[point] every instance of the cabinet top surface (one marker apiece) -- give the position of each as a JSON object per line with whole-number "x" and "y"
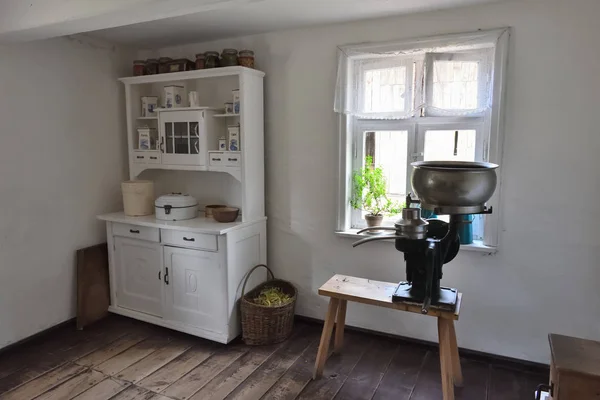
{"x": 200, "y": 224}
{"x": 575, "y": 355}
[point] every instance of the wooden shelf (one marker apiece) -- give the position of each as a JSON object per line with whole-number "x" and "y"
{"x": 148, "y": 118}
{"x": 225, "y": 115}
{"x": 186, "y": 109}
{"x": 187, "y": 75}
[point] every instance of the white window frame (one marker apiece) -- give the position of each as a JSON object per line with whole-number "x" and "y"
{"x": 492, "y": 122}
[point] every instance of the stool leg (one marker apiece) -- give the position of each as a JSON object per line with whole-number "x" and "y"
{"x": 456, "y": 369}
{"x": 325, "y": 338}
{"x": 340, "y": 323}
{"x": 445, "y": 359}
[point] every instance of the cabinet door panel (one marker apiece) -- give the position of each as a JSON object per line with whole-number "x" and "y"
{"x": 196, "y": 294}
{"x": 138, "y": 264}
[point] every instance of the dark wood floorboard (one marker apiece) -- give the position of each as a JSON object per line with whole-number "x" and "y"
{"x": 123, "y": 359}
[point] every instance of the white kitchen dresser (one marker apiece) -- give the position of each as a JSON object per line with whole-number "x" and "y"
{"x": 183, "y": 275}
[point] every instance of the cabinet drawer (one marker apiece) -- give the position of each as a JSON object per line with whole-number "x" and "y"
{"x": 136, "y": 231}
{"x": 145, "y": 157}
{"x": 188, "y": 239}
{"x": 224, "y": 159}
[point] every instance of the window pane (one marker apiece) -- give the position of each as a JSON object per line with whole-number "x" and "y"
{"x": 385, "y": 90}
{"x": 389, "y": 151}
{"x": 450, "y": 145}
{"x": 455, "y": 84}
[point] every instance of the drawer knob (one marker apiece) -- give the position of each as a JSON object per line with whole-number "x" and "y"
{"x": 189, "y": 239}
{"x": 134, "y": 231}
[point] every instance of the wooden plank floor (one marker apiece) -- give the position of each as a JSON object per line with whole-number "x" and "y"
{"x": 123, "y": 359}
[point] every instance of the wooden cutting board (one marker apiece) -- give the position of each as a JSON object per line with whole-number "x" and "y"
{"x": 93, "y": 291}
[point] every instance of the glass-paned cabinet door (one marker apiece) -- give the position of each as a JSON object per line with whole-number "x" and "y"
{"x": 181, "y": 133}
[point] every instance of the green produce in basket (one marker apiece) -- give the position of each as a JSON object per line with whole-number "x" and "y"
{"x": 272, "y": 297}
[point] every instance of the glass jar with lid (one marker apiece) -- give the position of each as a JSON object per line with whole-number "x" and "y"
{"x": 200, "y": 58}
{"x": 163, "y": 64}
{"x": 139, "y": 67}
{"x": 151, "y": 66}
{"x": 246, "y": 58}
{"x": 211, "y": 59}
{"x": 229, "y": 58}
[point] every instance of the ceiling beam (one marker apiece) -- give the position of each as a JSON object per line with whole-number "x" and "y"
{"x": 22, "y": 20}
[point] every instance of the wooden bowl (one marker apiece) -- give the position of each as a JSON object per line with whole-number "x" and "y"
{"x": 225, "y": 214}
{"x": 208, "y": 210}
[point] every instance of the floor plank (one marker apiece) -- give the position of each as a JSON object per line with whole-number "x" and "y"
{"x": 44, "y": 382}
{"x": 227, "y": 380}
{"x": 257, "y": 384}
{"x": 130, "y": 356}
{"x": 195, "y": 380}
{"x": 134, "y": 393}
{"x": 289, "y": 386}
{"x": 73, "y": 344}
{"x": 337, "y": 368}
{"x": 402, "y": 373}
{"x": 154, "y": 361}
{"x": 73, "y": 386}
{"x": 104, "y": 390}
{"x": 120, "y": 345}
{"x": 180, "y": 366}
{"x": 508, "y": 384}
{"x": 366, "y": 376}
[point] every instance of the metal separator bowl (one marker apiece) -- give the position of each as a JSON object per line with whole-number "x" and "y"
{"x": 454, "y": 187}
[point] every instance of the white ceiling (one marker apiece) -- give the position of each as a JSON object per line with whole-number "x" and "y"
{"x": 257, "y": 16}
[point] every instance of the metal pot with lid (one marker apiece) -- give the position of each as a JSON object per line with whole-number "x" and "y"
{"x": 176, "y": 207}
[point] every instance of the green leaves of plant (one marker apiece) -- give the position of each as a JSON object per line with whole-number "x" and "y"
{"x": 370, "y": 191}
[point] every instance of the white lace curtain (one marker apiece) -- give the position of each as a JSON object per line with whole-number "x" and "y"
{"x": 450, "y": 75}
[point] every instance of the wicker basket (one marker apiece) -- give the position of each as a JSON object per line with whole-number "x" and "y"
{"x": 262, "y": 324}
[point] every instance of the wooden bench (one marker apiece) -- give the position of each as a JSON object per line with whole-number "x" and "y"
{"x": 342, "y": 289}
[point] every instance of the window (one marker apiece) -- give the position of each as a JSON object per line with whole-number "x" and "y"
{"x": 428, "y": 99}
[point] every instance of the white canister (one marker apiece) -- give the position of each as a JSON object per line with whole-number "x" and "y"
{"x": 149, "y": 105}
{"x": 176, "y": 207}
{"x": 138, "y": 198}
{"x": 233, "y": 143}
{"x": 174, "y": 97}
{"x": 222, "y": 144}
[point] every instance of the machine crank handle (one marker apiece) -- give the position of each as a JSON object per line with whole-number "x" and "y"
{"x": 371, "y": 239}
{"x": 376, "y": 228}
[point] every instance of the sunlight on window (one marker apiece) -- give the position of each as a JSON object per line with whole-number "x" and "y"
{"x": 385, "y": 90}
{"x": 455, "y": 84}
{"x": 389, "y": 151}
{"x": 450, "y": 145}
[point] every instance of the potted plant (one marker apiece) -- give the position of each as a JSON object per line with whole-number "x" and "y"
{"x": 370, "y": 194}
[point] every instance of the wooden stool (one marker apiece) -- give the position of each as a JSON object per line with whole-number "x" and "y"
{"x": 342, "y": 288}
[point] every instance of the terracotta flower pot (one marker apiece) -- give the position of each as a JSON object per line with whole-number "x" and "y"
{"x": 373, "y": 220}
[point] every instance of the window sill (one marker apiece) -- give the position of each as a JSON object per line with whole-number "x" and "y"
{"x": 476, "y": 246}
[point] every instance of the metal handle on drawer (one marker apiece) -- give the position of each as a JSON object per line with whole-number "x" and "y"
{"x": 139, "y": 157}
{"x": 159, "y": 272}
{"x": 189, "y": 239}
{"x": 134, "y": 231}
{"x": 232, "y": 159}
{"x": 167, "y": 276}
{"x": 216, "y": 159}
{"x": 153, "y": 158}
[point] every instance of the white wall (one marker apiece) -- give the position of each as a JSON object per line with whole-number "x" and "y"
{"x": 545, "y": 277}
{"x": 62, "y": 158}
